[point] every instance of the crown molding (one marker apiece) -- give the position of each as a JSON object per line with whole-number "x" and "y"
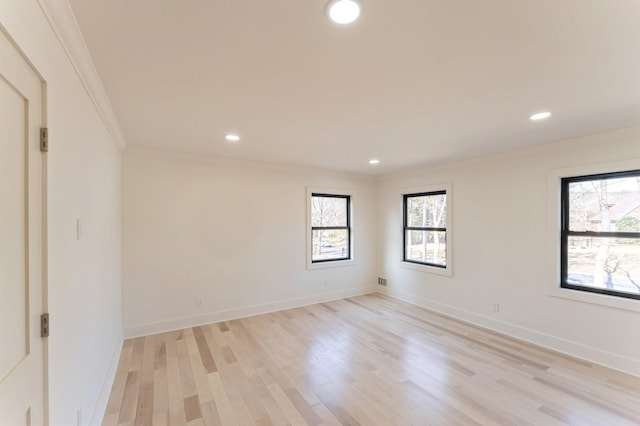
{"x": 64, "y": 25}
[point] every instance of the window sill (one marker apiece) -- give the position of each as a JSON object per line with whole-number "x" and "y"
{"x": 446, "y": 272}
{"x": 596, "y": 299}
{"x": 333, "y": 264}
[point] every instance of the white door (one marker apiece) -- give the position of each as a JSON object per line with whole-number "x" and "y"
{"x": 21, "y": 241}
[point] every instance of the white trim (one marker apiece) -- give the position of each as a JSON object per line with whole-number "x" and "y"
{"x": 553, "y": 225}
{"x": 336, "y": 263}
{"x": 448, "y": 270}
{"x": 330, "y": 264}
{"x": 248, "y": 311}
{"x": 100, "y": 406}
{"x": 428, "y": 269}
{"x": 64, "y": 25}
{"x": 567, "y": 347}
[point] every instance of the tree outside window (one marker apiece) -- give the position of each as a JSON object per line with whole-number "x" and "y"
{"x": 425, "y": 228}
{"x": 601, "y": 233}
{"x": 330, "y": 227}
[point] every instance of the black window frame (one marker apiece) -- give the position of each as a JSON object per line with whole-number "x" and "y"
{"x": 329, "y": 228}
{"x": 406, "y": 228}
{"x": 565, "y": 232}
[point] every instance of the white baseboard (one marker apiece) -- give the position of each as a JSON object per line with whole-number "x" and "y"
{"x": 567, "y": 347}
{"x": 105, "y": 390}
{"x": 227, "y": 315}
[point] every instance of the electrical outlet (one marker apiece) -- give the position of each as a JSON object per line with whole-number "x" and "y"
{"x": 382, "y": 281}
{"x": 325, "y": 282}
{"x": 199, "y": 301}
{"x": 495, "y": 307}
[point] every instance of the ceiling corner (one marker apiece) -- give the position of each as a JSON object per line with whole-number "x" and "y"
{"x": 64, "y": 25}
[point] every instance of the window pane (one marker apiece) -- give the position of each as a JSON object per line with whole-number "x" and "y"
{"x": 607, "y": 263}
{"x": 428, "y": 211}
{"x": 606, "y": 205}
{"x": 330, "y": 244}
{"x": 328, "y": 211}
{"x": 426, "y": 247}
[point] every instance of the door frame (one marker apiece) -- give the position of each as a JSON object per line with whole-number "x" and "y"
{"x": 44, "y": 221}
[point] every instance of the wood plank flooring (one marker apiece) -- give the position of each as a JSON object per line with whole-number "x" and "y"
{"x": 365, "y": 360}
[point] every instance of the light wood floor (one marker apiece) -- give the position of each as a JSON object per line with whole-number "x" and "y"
{"x": 365, "y": 360}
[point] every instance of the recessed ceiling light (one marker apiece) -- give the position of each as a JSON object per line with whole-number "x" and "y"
{"x": 231, "y": 137}
{"x": 540, "y": 116}
{"x": 374, "y": 161}
{"x": 343, "y": 11}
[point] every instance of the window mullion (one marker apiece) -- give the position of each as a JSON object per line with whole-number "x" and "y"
{"x": 603, "y": 234}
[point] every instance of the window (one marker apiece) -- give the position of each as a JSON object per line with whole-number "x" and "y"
{"x": 425, "y": 228}
{"x": 330, "y": 227}
{"x": 600, "y": 234}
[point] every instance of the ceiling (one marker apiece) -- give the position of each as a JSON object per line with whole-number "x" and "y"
{"x": 412, "y": 82}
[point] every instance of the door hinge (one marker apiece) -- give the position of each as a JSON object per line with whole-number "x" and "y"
{"x": 44, "y": 325}
{"x": 44, "y": 139}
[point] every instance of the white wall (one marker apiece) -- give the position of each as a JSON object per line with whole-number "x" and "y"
{"x": 231, "y": 232}
{"x": 83, "y": 182}
{"x": 234, "y": 233}
{"x": 504, "y": 249}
